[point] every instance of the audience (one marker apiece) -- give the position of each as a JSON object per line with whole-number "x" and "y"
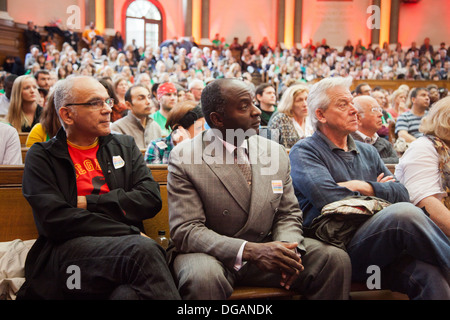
{"x": 281, "y": 81}
{"x": 91, "y": 215}
{"x": 291, "y": 123}
{"x": 195, "y": 88}
{"x": 167, "y": 96}
{"x": 24, "y": 111}
{"x": 334, "y": 176}
{"x": 266, "y": 101}
{"x": 369, "y": 123}
{"x": 10, "y": 148}
{"x": 185, "y": 121}
{"x": 425, "y": 167}
{"x": 5, "y": 98}
{"x": 43, "y": 79}
{"x": 48, "y": 125}
{"x": 222, "y": 217}
{"x": 407, "y": 125}
{"x": 398, "y": 103}
{"x": 138, "y": 122}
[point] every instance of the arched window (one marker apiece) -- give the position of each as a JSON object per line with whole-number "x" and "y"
{"x": 143, "y": 23}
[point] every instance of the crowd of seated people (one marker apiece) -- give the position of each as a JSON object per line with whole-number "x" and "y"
{"x": 119, "y": 67}
{"x": 156, "y": 98}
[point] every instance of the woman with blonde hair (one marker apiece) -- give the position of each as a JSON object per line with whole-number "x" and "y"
{"x": 398, "y": 103}
{"x": 24, "y": 111}
{"x": 291, "y": 122}
{"x": 424, "y": 169}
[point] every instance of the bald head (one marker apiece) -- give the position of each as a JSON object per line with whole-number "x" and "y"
{"x": 369, "y": 114}
{"x": 365, "y": 103}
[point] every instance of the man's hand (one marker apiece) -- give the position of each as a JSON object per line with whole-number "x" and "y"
{"x": 180, "y": 135}
{"x": 82, "y": 203}
{"x": 358, "y": 186}
{"x": 385, "y": 179}
{"x": 276, "y": 257}
{"x": 363, "y": 187}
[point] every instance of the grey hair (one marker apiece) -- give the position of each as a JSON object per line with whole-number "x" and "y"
{"x": 360, "y": 100}
{"x": 287, "y": 100}
{"x": 196, "y": 82}
{"x": 63, "y": 93}
{"x": 318, "y": 97}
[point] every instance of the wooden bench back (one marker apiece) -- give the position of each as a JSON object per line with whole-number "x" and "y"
{"x": 17, "y": 222}
{"x": 16, "y": 217}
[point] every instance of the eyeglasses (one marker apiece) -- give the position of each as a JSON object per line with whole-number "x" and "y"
{"x": 96, "y": 104}
{"x": 375, "y": 110}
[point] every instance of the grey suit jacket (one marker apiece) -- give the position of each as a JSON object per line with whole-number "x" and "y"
{"x": 211, "y": 208}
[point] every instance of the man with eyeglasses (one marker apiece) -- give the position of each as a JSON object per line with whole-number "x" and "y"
{"x": 370, "y": 121}
{"x": 196, "y": 87}
{"x": 349, "y": 199}
{"x": 138, "y": 122}
{"x": 90, "y": 191}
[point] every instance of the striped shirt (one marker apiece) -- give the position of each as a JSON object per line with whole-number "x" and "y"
{"x": 409, "y": 122}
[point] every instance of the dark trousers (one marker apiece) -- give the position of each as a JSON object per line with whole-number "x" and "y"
{"x": 124, "y": 268}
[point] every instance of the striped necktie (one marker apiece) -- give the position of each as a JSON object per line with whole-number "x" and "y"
{"x": 241, "y": 159}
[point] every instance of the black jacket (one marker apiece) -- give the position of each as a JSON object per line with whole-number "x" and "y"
{"x": 49, "y": 185}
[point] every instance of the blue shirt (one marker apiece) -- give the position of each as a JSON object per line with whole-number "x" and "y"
{"x": 410, "y": 122}
{"x": 317, "y": 165}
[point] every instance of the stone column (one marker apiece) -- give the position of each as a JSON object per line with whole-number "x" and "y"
{"x": 281, "y": 20}
{"x": 205, "y": 22}
{"x": 187, "y": 12}
{"x": 89, "y": 8}
{"x": 375, "y": 35}
{"x": 109, "y": 18}
{"x": 298, "y": 23}
{"x": 395, "y": 16}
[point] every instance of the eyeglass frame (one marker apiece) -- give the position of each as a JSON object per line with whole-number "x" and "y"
{"x": 374, "y": 109}
{"x": 94, "y": 103}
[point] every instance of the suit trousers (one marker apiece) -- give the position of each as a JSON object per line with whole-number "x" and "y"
{"x": 327, "y": 275}
{"x": 122, "y": 268}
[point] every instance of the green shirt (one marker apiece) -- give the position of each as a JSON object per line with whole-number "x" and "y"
{"x": 265, "y": 116}
{"x": 161, "y": 120}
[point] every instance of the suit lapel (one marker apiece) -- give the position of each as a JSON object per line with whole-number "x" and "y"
{"x": 221, "y": 164}
{"x": 261, "y": 184}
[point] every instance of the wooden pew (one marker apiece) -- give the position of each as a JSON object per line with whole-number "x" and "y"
{"x": 23, "y": 136}
{"x": 17, "y": 222}
{"x": 16, "y": 218}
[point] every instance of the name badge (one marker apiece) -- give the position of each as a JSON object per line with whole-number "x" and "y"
{"x": 161, "y": 145}
{"x": 118, "y": 162}
{"x": 277, "y": 186}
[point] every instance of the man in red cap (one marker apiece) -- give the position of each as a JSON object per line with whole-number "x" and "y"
{"x": 167, "y": 97}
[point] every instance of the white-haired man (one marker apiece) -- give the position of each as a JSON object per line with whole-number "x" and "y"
{"x": 370, "y": 121}
{"x": 196, "y": 87}
{"x": 332, "y": 172}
